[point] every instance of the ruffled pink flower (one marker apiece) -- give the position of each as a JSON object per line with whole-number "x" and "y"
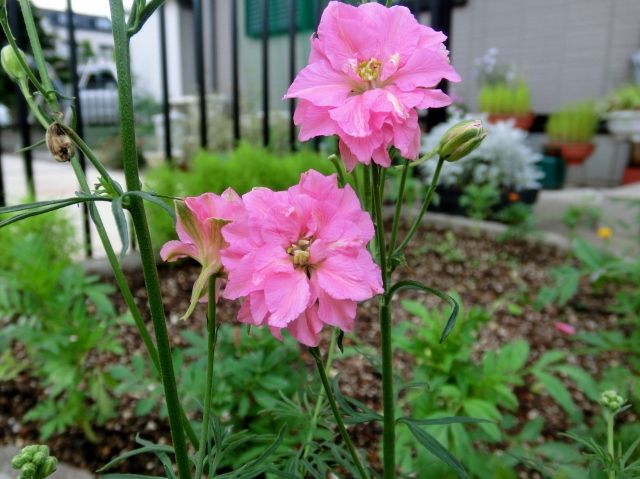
{"x": 199, "y": 223}
{"x": 564, "y": 328}
{"x": 299, "y": 258}
{"x": 369, "y": 69}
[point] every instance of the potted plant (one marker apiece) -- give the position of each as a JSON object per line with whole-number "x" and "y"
{"x": 571, "y": 130}
{"x": 623, "y": 117}
{"x": 507, "y": 101}
{"x": 503, "y": 160}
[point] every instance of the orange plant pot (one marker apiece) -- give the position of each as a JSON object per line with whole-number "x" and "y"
{"x": 523, "y": 122}
{"x": 576, "y": 153}
{"x": 631, "y": 175}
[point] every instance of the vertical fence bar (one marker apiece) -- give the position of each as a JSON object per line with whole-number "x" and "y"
{"x": 202, "y": 92}
{"x": 441, "y": 11}
{"x": 166, "y": 119}
{"x": 214, "y": 45}
{"x": 235, "y": 104}
{"x": 73, "y": 66}
{"x": 265, "y": 72}
{"x": 318, "y": 7}
{"x": 293, "y": 14}
{"x": 22, "y": 110}
{"x": 417, "y": 7}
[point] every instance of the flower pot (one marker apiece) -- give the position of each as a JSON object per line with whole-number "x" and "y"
{"x": 523, "y": 121}
{"x": 450, "y": 200}
{"x": 553, "y": 167}
{"x": 631, "y": 175}
{"x": 624, "y": 124}
{"x": 575, "y": 153}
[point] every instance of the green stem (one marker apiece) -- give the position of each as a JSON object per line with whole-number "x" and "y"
{"x": 36, "y": 48}
{"x": 367, "y": 188}
{"x": 610, "y": 441}
{"x": 398, "y": 210}
{"x": 320, "y": 400}
{"x": 40, "y": 116}
{"x": 211, "y": 349}
{"x": 138, "y": 215}
{"x": 336, "y": 414}
{"x": 339, "y": 169}
{"x": 389, "y": 423}
{"x": 423, "y": 208}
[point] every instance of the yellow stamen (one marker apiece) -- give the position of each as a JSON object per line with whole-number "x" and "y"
{"x": 300, "y": 252}
{"x": 369, "y": 70}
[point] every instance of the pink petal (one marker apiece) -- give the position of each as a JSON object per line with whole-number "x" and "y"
{"x": 425, "y": 68}
{"x": 346, "y": 277}
{"x": 287, "y": 296}
{"x": 313, "y": 121}
{"x": 306, "y": 328}
{"x": 340, "y": 313}
{"x": 434, "y": 98}
{"x": 320, "y": 84}
{"x": 173, "y": 250}
{"x": 565, "y": 328}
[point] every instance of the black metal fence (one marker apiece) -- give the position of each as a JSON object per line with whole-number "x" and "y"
{"x": 95, "y": 97}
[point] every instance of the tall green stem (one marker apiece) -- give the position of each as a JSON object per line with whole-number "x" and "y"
{"x": 423, "y": 208}
{"x": 138, "y": 215}
{"x": 388, "y": 398}
{"x": 336, "y": 414}
{"x": 398, "y": 210}
{"x": 610, "y": 441}
{"x": 211, "y": 349}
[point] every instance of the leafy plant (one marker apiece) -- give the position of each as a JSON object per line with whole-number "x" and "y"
{"x": 505, "y": 98}
{"x": 575, "y": 123}
{"x": 479, "y": 200}
{"x": 626, "y": 97}
{"x": 577, "y": 215}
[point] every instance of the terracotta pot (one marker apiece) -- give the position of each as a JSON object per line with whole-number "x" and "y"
{"x": 631, "y": 175}
{"x": 523, "y": 122}
{"x": 575, "y": 153}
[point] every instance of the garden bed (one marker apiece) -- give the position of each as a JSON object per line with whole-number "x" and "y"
{"x": 484, "y": 271}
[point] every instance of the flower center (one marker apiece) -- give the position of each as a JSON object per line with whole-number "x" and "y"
{"x": 369, "y": 70}
{"x": 300, "y": 252}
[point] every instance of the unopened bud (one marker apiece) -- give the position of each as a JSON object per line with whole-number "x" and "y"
{"x": 50, "y": 466}
{"x": 59, "y": 143}
{"x": 11, "y": 64}
{"x": 28, "y": 471}
{"x": 461, "y": 139}
{"x": 611, "y": 400}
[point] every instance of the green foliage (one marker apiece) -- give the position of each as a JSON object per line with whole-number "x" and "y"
{"x": 243, "y": 169}
{"x": 480, "y": 199}
{"x": 503, "y": 98}
{"x": 581, "y": 215}
{"x": 62, "y": 317}
{"x": 626, "y": 97}
{"x": 575, "y": 123}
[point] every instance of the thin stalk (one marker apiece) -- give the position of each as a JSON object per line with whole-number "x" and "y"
{"x": 138, "y": 215}
{"x": 36, "y": 48}
{"x": 389, "y": 423}
{"x": 4, "y": 23}
{"x": 211, "y": 349}
{"x": 336, "y": 414}
{"x": 610, "y": 441}
{"x": 40, "y": 116}
{"x": 339, "y": 170}
{"x": 398, "y": 209}
{"x": 320, "y": 400}
{"x": 367, "y": 188}
{"x": 423, "y": 208}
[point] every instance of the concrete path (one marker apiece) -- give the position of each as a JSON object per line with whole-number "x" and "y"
{"x": 63, "y": 471}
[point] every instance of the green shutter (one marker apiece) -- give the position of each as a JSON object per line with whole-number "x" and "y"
{"x": 278, "y": 17}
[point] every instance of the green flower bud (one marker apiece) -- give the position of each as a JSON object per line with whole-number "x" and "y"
{"x": 18, "y": 461}
{"x": 28, "y": 471}
{"x": 11, "y": 64}
{"x": 611, "y": 400}
{"x": 461, "y": 139}
{"x": 39, "y": 458}
{"x": 50, "y": 466}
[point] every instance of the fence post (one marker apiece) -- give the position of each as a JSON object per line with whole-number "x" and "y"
{"x": 441, "y": 11}
{"x": 214, "y": 46}
{"x": 199, "y": 51}
{"x": 293, "y": 14}
{"x": 168, "y": 154}
{"x": 73, "y": 66}
{"x": 3, "y": 200}
{"x": 22, "y": 110}
{"x": 265, "y": 72}
{"x": 235, "y": 106}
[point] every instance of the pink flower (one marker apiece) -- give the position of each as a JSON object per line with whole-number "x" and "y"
{"x": 299, "y": 258}
{"x": 565, "y": 328}
{"x": 370, "y": 67}
{"x": 199, "y": 221}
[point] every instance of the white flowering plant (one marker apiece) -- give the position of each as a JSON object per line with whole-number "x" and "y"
{"x": 502, "y": 159}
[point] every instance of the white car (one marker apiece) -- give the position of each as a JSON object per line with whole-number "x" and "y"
{"x": 98, "y": 94}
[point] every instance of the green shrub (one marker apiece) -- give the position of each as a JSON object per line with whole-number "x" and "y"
{"x": 505, "y": 99}
{"x": 575, "y": 123}
{"x": 242, "y": 170}
{"x": 624, "y": 98}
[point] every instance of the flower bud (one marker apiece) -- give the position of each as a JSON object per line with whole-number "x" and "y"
{"x": 461, "y": 139}
{"x": 59, "y": 143}
{"x": 611, "y": 400}
{"x": 49, "y": 466}
{"x": 28, "y": 471}
{"x": 11, "y": 65}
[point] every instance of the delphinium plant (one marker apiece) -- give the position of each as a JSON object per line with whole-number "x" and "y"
{"x": 299, "y": 260}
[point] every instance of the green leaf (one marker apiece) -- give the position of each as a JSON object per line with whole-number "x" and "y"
{"x": 437, "y": 449}
{"x": 415, "y": 285}
{"x": 142, "y": 450}
{"x": 440, "y": 421}
{"x": 479, "y": 408}
{"x": 152, "y": 198}
{"x": 122, "y": 225}
{"x": 558, "y": 392}
{"x": 582, "y": 378}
